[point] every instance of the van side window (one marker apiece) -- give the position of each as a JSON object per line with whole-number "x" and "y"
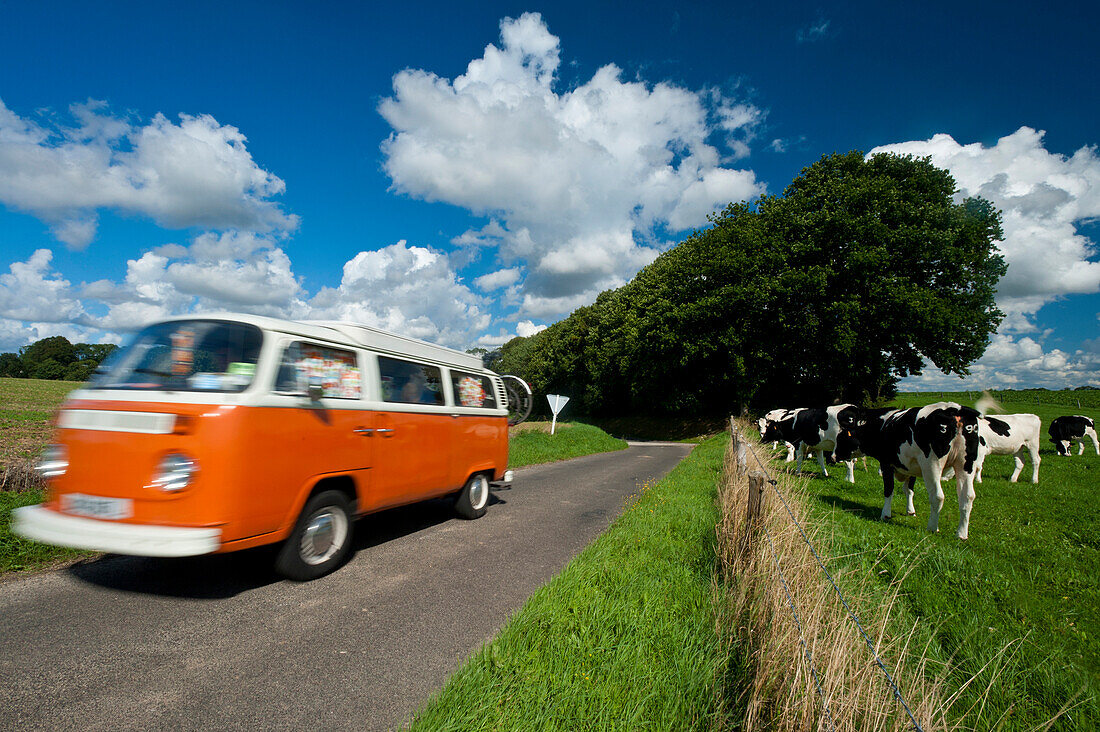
{"x": 337, "y": 370}
{"x": 406, "y": 382}
{"x": 471, "y": 390}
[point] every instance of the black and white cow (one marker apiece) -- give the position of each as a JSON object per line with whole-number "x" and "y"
{"x": 1064, "y": 431}
{"x": 813, "y": 430}
{"x": 774, "y": 416}
{"x": 1009, "y": 434}
{"x": 921, "y": 442}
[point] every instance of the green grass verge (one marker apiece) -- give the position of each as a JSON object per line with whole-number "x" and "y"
{"x": 570, "y": 440}
{"x": 624, "y": 638}
{"x": 1018, "y": 604}
{"x": 17, "y": 553}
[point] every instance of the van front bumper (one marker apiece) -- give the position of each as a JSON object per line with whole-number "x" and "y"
{"x": 50, "y": 527}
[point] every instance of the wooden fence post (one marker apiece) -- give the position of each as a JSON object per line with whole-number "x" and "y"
{"x": 753, "y": 512}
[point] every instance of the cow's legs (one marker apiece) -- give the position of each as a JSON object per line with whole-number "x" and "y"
{"x": 935, "y": 494}
{"x": 910, "y": 509}
{"x": 1081, "y": 446}
{"x": 1015, "y": 473}
{"x": 790, "y": 452}
{"x": 1091, "y": 434}
{"x": 1035, "y": 460}
{"x": 800, "y": 450}
{"x": 1019, "y": 467}
{"x": 851, "y": 471}
{"x": 887, "y": 492}
{"x": 821, "y": 462}
{"x": 965, "y": 489}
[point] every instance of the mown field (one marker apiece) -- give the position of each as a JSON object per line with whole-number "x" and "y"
{"x": 1014, "y": 612}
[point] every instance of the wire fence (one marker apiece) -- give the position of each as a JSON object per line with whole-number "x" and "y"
{"x": 742, "y": 443}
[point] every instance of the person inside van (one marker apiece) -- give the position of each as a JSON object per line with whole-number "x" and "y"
{"x": 416, "y": 389}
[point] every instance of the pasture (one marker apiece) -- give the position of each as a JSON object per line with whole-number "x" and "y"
{"x": 1013, "y": 613}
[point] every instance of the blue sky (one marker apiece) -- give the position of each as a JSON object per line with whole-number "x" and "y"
{"x": 467, "y": 172}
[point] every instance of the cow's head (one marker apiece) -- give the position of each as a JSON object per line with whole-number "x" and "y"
{"x": 847, "y": 444}
{"x": 771, "y": 432}
{"x": 944, "y": 425}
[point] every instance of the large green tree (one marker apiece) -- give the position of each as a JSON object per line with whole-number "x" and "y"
{"x": 845, "y": 283}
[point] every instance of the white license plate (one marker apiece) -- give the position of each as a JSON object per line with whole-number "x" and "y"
{"x": 97, "y": 506}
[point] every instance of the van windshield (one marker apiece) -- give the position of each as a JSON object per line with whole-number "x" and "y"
{"x": 185, "y": 355}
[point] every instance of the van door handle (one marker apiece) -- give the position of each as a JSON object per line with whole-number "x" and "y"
{"x": 363, "y": 431}
{"x": 385, "y": 432}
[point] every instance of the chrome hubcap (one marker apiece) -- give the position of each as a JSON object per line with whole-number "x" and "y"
{"x": 324, "y": 535}
{"x": 479, "y": 492}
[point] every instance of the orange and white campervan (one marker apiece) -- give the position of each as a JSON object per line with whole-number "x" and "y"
{"x": 217, "y": 433}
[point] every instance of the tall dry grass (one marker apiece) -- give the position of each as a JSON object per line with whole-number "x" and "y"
{"x": 771, "y": 685}
{"x": 20, "y": 476}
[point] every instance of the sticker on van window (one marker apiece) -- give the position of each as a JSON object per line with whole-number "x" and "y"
{"x": 470, "y": 392}
{"x": 183, "y": 351}
{"x": 336, "y": 370}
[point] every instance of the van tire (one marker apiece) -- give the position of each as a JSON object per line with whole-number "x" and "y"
{"x": 473, "y": 498}
{"x": 320, "y": 540}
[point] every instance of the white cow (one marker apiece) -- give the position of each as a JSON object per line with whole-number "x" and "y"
{"x": 1009, "y": 434}
{"x": 774, "y": 416}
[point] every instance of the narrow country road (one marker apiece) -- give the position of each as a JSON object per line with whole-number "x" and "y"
{"x": 220, "y": 642}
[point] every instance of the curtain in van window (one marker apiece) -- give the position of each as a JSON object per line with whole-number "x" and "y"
{"x": 337, "y": 370}
{"x": 472, "y": 390}
{"x": 406, "y": 382}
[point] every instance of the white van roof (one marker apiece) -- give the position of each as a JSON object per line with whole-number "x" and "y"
{"x": 365, "y": 336}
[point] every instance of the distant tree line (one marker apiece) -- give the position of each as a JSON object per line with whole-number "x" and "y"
{"x": 834, "y": 290}
{"x": 55, "y": 358}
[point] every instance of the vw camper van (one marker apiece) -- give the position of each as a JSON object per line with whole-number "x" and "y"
{"x": 223, "y": 432}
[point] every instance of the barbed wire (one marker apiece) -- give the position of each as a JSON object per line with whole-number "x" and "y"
{"x": 870, "y": 646}
{"x": 801, "y": 635}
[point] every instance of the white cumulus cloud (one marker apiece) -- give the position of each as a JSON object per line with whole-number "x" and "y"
{"x": 1044, "y": 197}
{"x": 1018, "y": 362}
{"x": 194, "y": 173}
{"x": 406, "y": 289}
{"x": 575, "y": 180}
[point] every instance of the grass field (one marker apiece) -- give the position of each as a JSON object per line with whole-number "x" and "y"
{"x": 623, "y": 639}
{"x": 1017, "y": 607}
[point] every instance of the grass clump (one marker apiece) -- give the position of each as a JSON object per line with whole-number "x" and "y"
{"x": 531, "y": 442}
{"x": 623, "y": 639}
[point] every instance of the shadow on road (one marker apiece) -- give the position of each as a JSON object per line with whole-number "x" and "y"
{"x": 219, "y": 576}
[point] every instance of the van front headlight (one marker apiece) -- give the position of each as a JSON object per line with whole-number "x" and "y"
{"x": 54, "y": 461}
{"x": 175, "y": 472}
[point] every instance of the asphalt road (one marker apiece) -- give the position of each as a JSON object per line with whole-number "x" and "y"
{"x": 220, "y": 642}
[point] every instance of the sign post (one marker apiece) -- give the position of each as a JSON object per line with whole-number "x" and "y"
{"x": 556, "y": 403}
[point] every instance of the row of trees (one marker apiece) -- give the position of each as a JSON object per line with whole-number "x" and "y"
{"x": 55, "y": 358}
{"x": 833, "y": 290}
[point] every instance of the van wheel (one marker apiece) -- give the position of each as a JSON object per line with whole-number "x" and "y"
{"x": 473, "y": 498}
{"x": 321, "y": 539}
